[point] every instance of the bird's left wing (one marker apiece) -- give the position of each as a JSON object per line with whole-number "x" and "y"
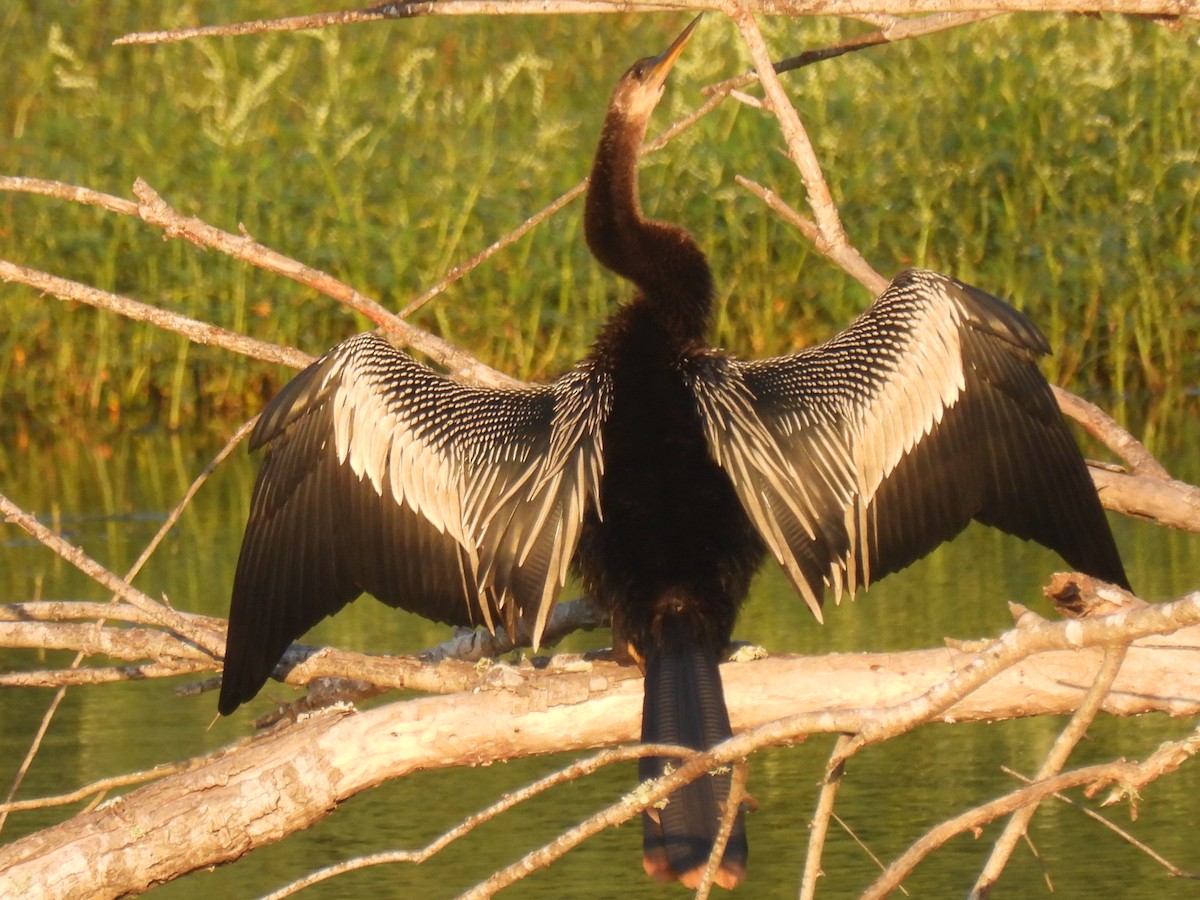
{"x": 858, "y": 456}
{"x": 461, "y": 503}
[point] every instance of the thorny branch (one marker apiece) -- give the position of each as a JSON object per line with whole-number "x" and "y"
{"x": 192, "y": 643}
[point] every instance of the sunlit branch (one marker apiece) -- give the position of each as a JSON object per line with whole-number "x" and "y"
{"x": 96, "y": 788}
{"x": 154, "y": 210}
{"x": 717, "y": 94}
{"x": 1132, "y": 776}
{"x": 193, "y": 329}
{"x": 1017, "y": 644}
{"x": 862, "y": 9}
{"x": 578, "y": 769}
{"x": 160, "y": 614}
{"x": 819, "y": 827}
{"x": 1060, "y": 752}
{"x": 1172, "y": 869}
{"x": 831, "y": 239}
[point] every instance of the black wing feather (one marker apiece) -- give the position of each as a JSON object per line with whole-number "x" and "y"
{"x": 856, "y": 457}
{"x": 382, "y": 476}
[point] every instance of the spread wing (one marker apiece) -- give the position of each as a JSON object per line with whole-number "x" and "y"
{"x": 461, "y": 503}
{"x": 856, "y": 457}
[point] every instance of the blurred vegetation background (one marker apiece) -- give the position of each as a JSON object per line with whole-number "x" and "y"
{"x": 1051, "y": 160}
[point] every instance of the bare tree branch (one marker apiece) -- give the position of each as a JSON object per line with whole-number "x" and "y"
{"x": 1028, "y": 638}
{"x": 193, "y": 329}
{"x": 578, "y": 769}
{"x": 155, "y": 211}
{"x": 831, "y": 239}
{"x": 1059, "y": 753}
{"x": 865, "y": 9}
{"x": 1165, "y": 759}
{"x": 1171, "y": 868}
{"x": 1175, "y": 504}
{"x": 1107, "y": 430}
{"x": 179, "y": 623}
{"x": 95, "y": 789}
{"x": 819, "y": 827}
{"x": 250, "y": 794}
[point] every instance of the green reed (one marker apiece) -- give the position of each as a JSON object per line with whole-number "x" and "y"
{"x": 1052, "y": 161}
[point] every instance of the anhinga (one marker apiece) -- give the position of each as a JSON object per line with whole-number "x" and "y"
{"x": 662, "y": 470}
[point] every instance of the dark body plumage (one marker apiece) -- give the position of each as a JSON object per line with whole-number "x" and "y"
{"x": 662, "y": 469}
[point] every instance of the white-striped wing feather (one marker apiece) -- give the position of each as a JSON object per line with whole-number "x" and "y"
{"x": 463, "y": 504}
{"x": 858, "y": 456}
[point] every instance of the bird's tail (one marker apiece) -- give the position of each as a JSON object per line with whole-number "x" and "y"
{"x": 685, "y": 705}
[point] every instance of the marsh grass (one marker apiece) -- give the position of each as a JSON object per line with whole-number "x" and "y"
{"x": 1053, "y": 161}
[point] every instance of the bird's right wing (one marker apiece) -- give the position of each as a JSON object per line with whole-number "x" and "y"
{"x": 461, "y": 503}
{"x": 858, "y": 456}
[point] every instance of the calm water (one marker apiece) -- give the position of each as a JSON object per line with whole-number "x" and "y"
{"x": 112, "y": 499}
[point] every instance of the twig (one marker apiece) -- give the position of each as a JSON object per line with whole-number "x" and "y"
{"x": 863, "y": 846}
{"x": 154, "y": 210}
{"x": 1132, "y": 776}
{"x": 193, "y": 329}
{"x": 30, "y": 755}
{"x": 579, "y": 769}
{"x": 1064, "y": 744}
{"x": 72, "y": 610}
{"x": 729, "y": 814}
{"x": 71, "y": 192}
{"x": 458, "y": 271}
{"x": 1173, "y": 870}
{"x": 96, "y": 787}
{"x": 94, "y": 638}
{"x": 819, "y": 826}
{"x": 73, "y": 675}
{"x": 806, "y": 226}
{"x": 161, "y": 614}
{"x": 1001, "y": 654}
{"x": 77, "y": 677}
{"x": 717, "y": 94}
{"x": 645, "y": 796}
{"x": 388, "y": 11}
{"x": 1174, "y": 504}
{"x": 1110, "y": 433}
{"x": 892, "y": 30}
{"x": 832, "y": 240}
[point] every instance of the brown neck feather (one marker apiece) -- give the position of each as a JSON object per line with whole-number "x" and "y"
{"x": 662, "y": 259}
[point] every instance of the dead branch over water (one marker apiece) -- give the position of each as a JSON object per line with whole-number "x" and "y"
{"x": 295, "y": 774}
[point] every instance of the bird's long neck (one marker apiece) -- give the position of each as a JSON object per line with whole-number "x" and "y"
{"x": 663, "y": 260}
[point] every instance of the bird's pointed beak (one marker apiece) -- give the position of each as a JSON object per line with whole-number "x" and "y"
{"x": 664, "y": 62}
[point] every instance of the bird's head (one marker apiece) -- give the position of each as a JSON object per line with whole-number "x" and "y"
{"x": 641, "y": 87}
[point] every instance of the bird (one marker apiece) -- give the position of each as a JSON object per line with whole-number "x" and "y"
{"x": 659, "y": 469}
